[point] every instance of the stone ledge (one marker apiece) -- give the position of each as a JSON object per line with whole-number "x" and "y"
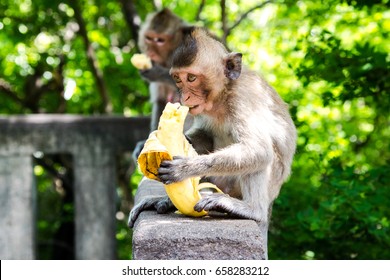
{"x": 175, "y": 236}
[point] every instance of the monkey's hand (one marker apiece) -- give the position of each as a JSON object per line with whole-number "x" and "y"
{"x": 172, "y": 171}
{"x": 157, "y": 74}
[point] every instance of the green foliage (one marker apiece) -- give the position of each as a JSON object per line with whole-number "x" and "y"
{"x": 336, "y": 204}
{"x": 347, "y": 217}
{"x": 329, "y": 60}
{"x": 39, "y": 43}
{"x": 358, "y": 72}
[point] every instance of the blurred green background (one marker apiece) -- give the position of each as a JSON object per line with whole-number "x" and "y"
{"x": 329, "y": 60}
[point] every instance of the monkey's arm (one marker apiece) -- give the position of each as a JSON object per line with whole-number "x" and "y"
{"x": 236, "y": 159}
{"x": 200, "y": 140}
{"x": 251, "y": 163}
{"x": 157, "y": 74}
{"x": 157, "y": 109}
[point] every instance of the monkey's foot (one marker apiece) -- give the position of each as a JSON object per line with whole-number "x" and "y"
{"x": 162, "y": 204}
{"x": 226, "y": 204}
{"x": 216, "y": 202}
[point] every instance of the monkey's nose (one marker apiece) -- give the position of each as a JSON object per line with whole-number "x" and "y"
{"x": 184, "y": 98}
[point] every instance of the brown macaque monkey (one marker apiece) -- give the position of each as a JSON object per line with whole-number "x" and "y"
{"x": 241, "y": 125}
{"x": 159, "y": 36}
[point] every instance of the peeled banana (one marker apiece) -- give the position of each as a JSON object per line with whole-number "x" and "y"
{"x": 164, "y": 143}
{"x": 141, "y": 61}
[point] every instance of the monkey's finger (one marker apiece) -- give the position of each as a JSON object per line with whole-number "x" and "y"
{"x": 177, "y": 157}
{"x": 164, "y": 206}
{"x": 166, "y": 182}
{"x": 212, "y": 202}
{"x": 165, "y": 165}
{"x": 167, "y": 179}
{"x": 166, "y": 176}
{"x": 166, "y": 168}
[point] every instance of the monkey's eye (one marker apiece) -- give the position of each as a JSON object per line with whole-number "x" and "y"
{"x": 176, "y": 78}
{"x": 159, "y": 41}
{"x": 191, "y": 78}
{"x": 148, "y": 39}
{"x": 155, "y": 40}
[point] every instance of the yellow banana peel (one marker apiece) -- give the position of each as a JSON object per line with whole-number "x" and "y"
{"x": 164, "y": 143}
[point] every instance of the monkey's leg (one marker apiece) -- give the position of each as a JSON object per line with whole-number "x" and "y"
{"x": 224, "y": 203}
{"x": 162, "y": 204}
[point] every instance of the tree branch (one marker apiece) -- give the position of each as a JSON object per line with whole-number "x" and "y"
{"x": 225, "y": 29}
{"x": 92, "y": 60}
{"x": 59, "y": 77}
{"x": 244, "y": 15}
{"x": 228, "y": 30}
{"x": 6, "y": 88}
{"x": 200, "y": 9}
{"x": 132, "y": 18}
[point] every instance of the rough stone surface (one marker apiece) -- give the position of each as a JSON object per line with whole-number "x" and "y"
{"x": 175, "y": 236}
{"x": 94, "y": 143}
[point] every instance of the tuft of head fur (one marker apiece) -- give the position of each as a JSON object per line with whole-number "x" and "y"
{"x": 164, "y": 21}
{"x": 198, "y": 46}
{"x": 185, "y": 54}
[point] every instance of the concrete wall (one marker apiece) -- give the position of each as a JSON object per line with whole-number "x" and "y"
{"x": 177, "y": 237}
{"x": 94, "y": 143}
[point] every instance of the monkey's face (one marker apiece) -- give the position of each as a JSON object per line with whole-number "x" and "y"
{"x": 202, "y": 68}
{"x": 193, "y": 89}
{"x": 158, "y": 46}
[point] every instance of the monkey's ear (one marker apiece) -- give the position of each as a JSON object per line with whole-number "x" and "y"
{"x": 233, "y": 65}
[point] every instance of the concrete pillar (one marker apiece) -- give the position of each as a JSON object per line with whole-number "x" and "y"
{"x": 17, "y": 208}
{"x": 95, "y": 199}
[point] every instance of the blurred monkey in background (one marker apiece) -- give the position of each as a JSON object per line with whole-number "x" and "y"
{"x": 159, "y": 36}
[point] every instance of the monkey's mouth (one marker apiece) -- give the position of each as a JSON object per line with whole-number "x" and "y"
{"x": 192, "y": 107}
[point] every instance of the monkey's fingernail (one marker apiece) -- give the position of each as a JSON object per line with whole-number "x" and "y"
{"x": 197, "y": 208}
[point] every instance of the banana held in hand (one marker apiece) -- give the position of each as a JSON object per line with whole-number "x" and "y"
{"x": 141, "y": 61}
{"x": 163, "y": 144}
